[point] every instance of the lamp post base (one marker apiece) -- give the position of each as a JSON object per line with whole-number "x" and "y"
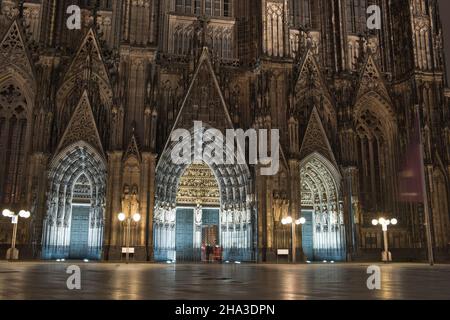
{"x": 386, "y": 256}
{"x": 12, "y": 254}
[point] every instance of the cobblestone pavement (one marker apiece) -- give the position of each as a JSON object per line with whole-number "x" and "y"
{"x": 47, "y": 280}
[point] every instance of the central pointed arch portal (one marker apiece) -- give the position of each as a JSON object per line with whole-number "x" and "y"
{"x": 202, "y": 203}
{"x": 323, "y": 235}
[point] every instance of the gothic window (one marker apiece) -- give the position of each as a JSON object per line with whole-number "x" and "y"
{"x": 300, "y": 11}
{"x": 13, "y": 130}
{"x": 226, "y": 8}
{"x": 179, "y": 6}
{"x": 198, "y": 6}
{"x": 188, "y": 6}
{"x": 215, "y": 8}
{"x": 274, "y": 35}
{"x": 421, "y": 7}
{"x": 103, "y": 4}
{"x": 376, "y": 157}
{"x": 356, "y": 15}
{"x": 217, "y": 5}
{"x": 208, "y": 7}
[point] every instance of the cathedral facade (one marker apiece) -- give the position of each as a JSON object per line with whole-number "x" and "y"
{"x": 87, "y": 116}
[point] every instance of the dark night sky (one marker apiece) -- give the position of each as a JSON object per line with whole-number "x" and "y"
{"x": 444, "y": 6}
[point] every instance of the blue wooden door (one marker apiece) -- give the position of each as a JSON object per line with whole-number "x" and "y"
{"x": 79, "y": 233}
{"x": 184, "y": 236}
{"x": 307, "y": 235}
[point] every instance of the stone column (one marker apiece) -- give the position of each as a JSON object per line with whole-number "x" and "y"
{"x": 260, "y": 187}
{"x": 113, "y": 206}
{"x": 149, "y": 163}
{"x": 295, "y": 204}
{"x": 36, "y": 199}
{"x": 351, "y": 211}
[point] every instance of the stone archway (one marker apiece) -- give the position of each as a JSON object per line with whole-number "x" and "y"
{"x": 77, "y": 183}
{"x": 236, "y": 219}
{"x": 376, "y": 149}
{"x": 15, "y": 132}
{"x": 324, "y": 231}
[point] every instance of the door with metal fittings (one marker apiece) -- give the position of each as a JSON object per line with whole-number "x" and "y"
{"x": 307, "y": 235}
{"x": 79, "y": 232}
{"x": 184, "y": 237}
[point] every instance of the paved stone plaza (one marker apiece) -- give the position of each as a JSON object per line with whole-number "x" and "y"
{"x": 47, "y": 280}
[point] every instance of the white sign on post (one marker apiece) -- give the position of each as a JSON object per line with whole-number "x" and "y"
{"x": 283, "y": 252}
{"x": 130, "y": 250}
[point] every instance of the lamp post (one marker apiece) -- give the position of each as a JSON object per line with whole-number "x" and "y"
{"x": 13, "y": 253}
{"x": 128, "y": 220}
{"x": 289, "y": 220}
{"x": 385, "y": 255}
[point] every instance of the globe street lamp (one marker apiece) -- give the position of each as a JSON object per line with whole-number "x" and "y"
{"x": 13, "y": 253}
{"x": 128, "y": 220}
{"x": 289, "y": 220}
{"x": 385, "y": 255}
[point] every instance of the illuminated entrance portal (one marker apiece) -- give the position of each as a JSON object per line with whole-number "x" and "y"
{"x": 73, "y": 226}
{"x": 197, "y": 216}
{"x": 323, "y": 235}
{"x": 196, "y": 222}
{"x": 198, "y": 207}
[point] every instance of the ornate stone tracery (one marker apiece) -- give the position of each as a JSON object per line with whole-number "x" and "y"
{"x": 320, "y": 193}
{"x": 77, "y": 176}
{"x": 198, "y": 186}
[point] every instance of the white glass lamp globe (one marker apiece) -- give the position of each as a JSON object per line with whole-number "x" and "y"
{"x": 394, "y": 221}
{"x": 375, "y": 222}
{"x": 24, "y": 214}
{"x": 137, "y": 217}
{"x": 121, "y": 216}
{"x": 6, "y": 213}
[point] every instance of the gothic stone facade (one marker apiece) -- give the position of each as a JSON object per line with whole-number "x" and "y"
{"x": 86, "y": 117}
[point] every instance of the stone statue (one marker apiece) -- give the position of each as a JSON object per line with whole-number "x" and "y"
{"x": 134, "y": 201}
{"x": 126, "y": 199}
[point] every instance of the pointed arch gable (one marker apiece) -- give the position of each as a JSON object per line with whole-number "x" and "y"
{"x": 308, "y": 65}
{"x": 88, "y": 49}
{"x": 204, "y": 68}
{"x": 133, "y": 149}
{"x": 316, "y": 140}
{"x": 82, "y": 127}
{"x": 311, "y": 91}
{"x": 372, "y": 83}
{"x": 14, "y": 56}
